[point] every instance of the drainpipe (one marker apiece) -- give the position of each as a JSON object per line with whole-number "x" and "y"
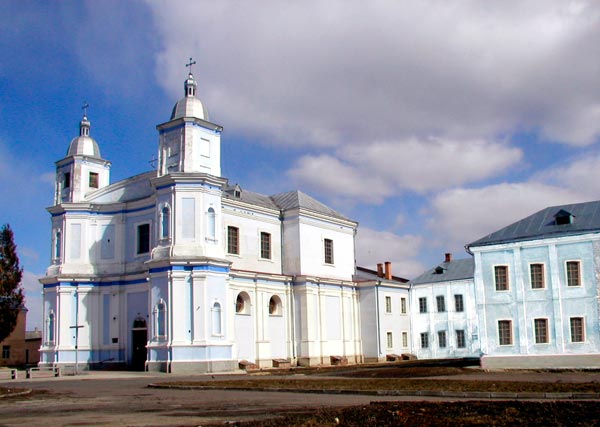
{"x": 378, "y": 313}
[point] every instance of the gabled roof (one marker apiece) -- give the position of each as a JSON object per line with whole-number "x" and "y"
{"x": 543, "y": 224}
{"x": 459, "y": 269}
{"x": 363, "y": 273}
{"x": 299, "y": 200}
{"x": 249, "y": 197}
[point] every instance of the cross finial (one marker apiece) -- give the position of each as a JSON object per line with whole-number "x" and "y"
{"x": 84, "y": 107}
{"x": 189, "y": 64}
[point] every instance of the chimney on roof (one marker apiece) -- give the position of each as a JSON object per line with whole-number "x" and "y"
{"x": 380, "y": 270}
{"x": 448, "y": 257}
{"x": 388, "y": 270}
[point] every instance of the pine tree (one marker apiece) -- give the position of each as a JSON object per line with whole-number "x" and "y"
{"x": 11, "y": 292}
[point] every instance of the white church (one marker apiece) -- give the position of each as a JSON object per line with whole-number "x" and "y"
{"x": 177, "y": 270}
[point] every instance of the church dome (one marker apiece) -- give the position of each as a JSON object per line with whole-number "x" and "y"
{"x": 190, "y": 106}
{"x": 84, "y": 144}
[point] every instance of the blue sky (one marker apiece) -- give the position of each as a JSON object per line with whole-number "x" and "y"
{"x": 431, "y": 123}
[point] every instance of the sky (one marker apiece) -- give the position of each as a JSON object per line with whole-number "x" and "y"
{"x": 431, "y": 123}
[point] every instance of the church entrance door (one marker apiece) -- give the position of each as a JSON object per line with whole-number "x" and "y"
{"x": 139, "y": 339}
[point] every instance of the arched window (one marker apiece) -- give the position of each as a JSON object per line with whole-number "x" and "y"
{"x": 161, "y": 319}
{"x": 211, "y": 223}
{"x": 50, "y": 328}
{"x": 216, "y": 319}
{"x": 275, "y": 306}
{"x": 165, "y": 222}
{"x": 242, "y": 303}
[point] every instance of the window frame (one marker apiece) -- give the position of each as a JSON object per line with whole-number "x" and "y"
{"x": 459, "y": 308}
{"x": 568, "y": 276}
{"x": 500, "y": 332}
{"x": 424, "y": 338}
{"x": 461, "y": 341}
{"x": 233, "y": 240}
{"x": 506, "y": 286}
{"x": 265, "y": 246}
{"x": 572, "y": 332}
{"x": 404, "y": 339}
{"x": 328, "y": 254}
{"x": 541, "y": 335}
{"x": 422, "y": 304}
{"x": 389, "y": 339}
{"x": 442, "y": 339}
{"x": 388, "y": 304}
{"x": 94, "y": 178}
{"x": 275, "y": 306}
{"x": 138, "y": 241}
{"x": 440, "y": 303}
{"x": 403, "y": 307}
{"x": 542, "y": 273}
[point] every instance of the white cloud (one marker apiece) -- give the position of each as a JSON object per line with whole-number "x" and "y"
{"x": 373, "y": 247}
{"x": 344, "y": 72}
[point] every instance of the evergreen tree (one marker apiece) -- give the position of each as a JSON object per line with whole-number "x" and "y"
{"x": 11, "y": 292}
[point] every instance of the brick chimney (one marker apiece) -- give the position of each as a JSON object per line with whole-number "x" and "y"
{"x": 448, "y": 257}
{"x": 380, "y": 270}
{"x": 388, "y": 270}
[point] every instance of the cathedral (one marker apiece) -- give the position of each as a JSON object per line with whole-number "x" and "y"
{"x": 177, "y": 270}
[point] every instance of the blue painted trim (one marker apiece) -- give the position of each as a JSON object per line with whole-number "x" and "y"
{"x": 187, "y": 185}
{"x": 182, "y": 125}
{"x": 213, "y": 268}
{"x": 123, "y": 211}
{"x": 96, "y": 284}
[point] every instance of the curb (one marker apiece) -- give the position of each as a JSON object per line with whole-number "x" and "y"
{"x": 423, "y": 393}
{"x": 17, "y": 393}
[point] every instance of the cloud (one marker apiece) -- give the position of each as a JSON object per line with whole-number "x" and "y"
{"x": 373, "y": 247}
{"x": 349, "y": 72}
{"x": 372, "y": 172}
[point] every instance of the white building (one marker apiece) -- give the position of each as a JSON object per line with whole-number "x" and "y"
{"x": 175, "y": 269}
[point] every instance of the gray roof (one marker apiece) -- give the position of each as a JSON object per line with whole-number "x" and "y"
{"x": 249, "y": 197}
{"x": 299, "y": 200}
{"x": 543, "y": 224}
{"x": 459, "y": 269}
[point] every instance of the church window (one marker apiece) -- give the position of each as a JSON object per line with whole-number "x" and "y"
{"x": 275, "y": 306}
{"x": 50, "y": 328}
{"x": 161, "y": 319}
{"x": 242, "y": 303}
{"x": 57, "y": 244}
{"x": 442, "y": 339}
{"x": 424, "y": 340}
{"x": 404, "y": 339}
{"x": 388, "y": 304}
{"x": 459, "y": 305}
{"x": 233, "y": 235}
{"x": 441, "y": 303}
{"x": 143, "y": 238}
{"x": 165, "y": 222}
{"x": 540, "y": 327}
{"x": 577, "y": 329}
{"x": 403, "y": 305}
{"x": 390, "y": 340}
{"x": 328, "y": 249}
{"x": 265, "y": 245}
{"x": 211, "y": 223}
{"x": 505, "y": 332}
{"x": 216, "y": 319}
{"x": 93, "y": 180}
{"x": 67, "y": 180}
{"x": 460, "y": 338}
{"x": 422, "y": 305}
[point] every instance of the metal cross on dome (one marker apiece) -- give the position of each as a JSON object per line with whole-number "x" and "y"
{"x": 189, "y": 64}
{"x": 84, "y": 107}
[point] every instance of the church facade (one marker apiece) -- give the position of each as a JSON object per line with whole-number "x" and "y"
{"x": 177, "y": 270}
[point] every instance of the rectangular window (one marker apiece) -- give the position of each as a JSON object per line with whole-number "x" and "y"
{"x": 424, "y": 340}
{"x": 423, "y": 305}
{"x": 6, "y": 352}
{"x": 328, "y": 247}
{"x": 93, "y": 181}
{"x": 441, "y": 303}
{"x": 265, "y": 245}
{"x": 390, "y": 340}
{"x": 537, "y": 276}
{"x": 577, "y": 329}
{"x": 403, "y": 305}
{"x": 143, "y": 238}
{"x": 460, "y": 338}
{"x": 573, "y": 273}
{"x": 501, "y": 277}
{"x": 541, "y": 330}
{"x": 442, "y": 339}
{"x": 505, "y": 332}
{"x": 233, "y": 237}
{"x": 459, "y": 303}
{"x": 388, "y": 304}
{"x": 67, "y": 182}
{"x": 404, "y": 339}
